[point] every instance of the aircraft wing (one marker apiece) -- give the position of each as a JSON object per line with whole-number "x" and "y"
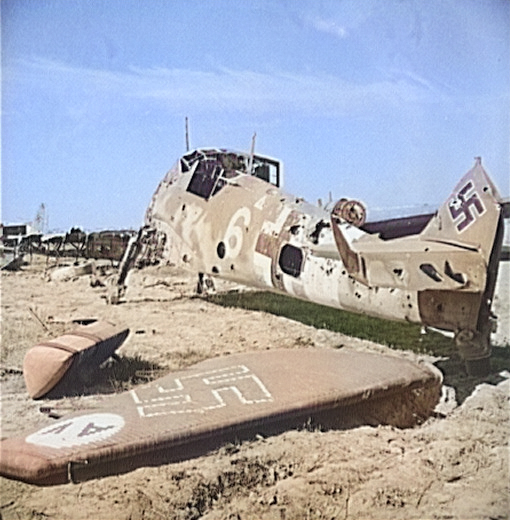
{"x": 191, "y": 412}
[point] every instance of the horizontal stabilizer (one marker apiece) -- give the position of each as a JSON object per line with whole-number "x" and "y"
{"x": 411, "y": 263}
{"x": 453, "y": 252}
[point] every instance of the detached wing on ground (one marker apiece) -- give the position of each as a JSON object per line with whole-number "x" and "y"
{"x": 222, "y": 400}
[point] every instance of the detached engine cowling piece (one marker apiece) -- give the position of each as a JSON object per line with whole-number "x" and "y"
{"x": 82, "y": 349}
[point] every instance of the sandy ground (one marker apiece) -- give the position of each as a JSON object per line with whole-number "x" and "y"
{"x": 456, "y": 465}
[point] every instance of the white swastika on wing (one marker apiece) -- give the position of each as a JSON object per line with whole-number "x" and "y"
{"x": 200, "y": 393}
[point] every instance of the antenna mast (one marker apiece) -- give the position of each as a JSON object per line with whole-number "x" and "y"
{"x": 187, "y": 135}
{"x": 252, "y": 152}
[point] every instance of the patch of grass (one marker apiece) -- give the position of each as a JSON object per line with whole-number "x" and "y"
{"x": 398, "y": 335}
{"x": 117, "y": 374}
{"x": 403, "y": 336}
{"x": 185, "y": 358}
{"x": 124, "y": 372}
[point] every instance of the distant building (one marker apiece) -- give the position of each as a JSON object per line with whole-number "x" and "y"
{"x": 13, "y": 230}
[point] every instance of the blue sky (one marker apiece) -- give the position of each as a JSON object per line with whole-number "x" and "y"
{"x": 384, "y": 101}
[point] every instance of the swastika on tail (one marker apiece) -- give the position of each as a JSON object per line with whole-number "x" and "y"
{"x": 465, "y": 207}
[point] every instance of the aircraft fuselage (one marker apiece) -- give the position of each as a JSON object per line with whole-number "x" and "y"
{"x": 223, "y": 214}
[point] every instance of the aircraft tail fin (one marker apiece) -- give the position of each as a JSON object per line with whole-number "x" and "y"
{"x": 471, "y": 214}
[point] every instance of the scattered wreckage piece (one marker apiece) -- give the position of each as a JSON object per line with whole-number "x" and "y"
{"x": 107, "y": 245}
{"x": 191, "y": 412}
{"x": 221, "y": 213}
{"x": 52, "y": 245}
{"x": 69, "y": 272}
{"x": 77, "y": 239}
{"x": 76, "y": 354}
{"x": 143, "y": 249}
{"x": 10, "y": 260}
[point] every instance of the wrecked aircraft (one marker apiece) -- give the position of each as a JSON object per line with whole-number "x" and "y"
{"x": 223, "y": 214}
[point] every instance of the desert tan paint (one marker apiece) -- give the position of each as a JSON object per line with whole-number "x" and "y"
{"x": 246, "y": 229}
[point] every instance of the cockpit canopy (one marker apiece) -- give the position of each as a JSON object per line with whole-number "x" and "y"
{"x": 214, "y": 168}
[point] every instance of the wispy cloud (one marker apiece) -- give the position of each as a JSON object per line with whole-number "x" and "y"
{"x": 328, "y": 26}
{"x": 220, "y": 89}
